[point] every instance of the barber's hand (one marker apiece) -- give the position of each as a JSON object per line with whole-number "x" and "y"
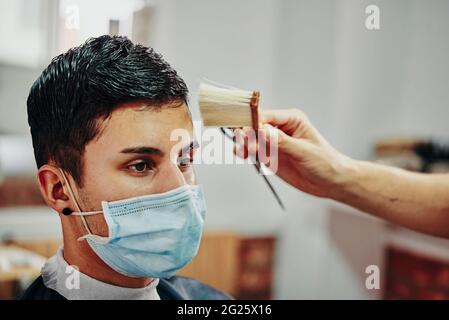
{"x": 305, "y": 159}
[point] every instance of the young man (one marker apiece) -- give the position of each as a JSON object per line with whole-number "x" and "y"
{"x": 101, "y": 116}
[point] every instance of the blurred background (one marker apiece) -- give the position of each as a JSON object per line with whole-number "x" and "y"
{"x": 379, "y": 95}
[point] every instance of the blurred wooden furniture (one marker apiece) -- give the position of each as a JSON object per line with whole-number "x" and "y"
{"x": 255, "y": 268}
{"x": 10, "y": 279}
{"x": 46, "y": 248}
{"x": 20, "y": 191}
{"x": 415, "y": 276}
{"x": 216, "y": 262}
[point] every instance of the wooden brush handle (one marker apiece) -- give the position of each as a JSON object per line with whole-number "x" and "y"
{"x": 254, "y": 104}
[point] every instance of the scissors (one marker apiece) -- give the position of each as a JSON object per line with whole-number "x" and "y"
{"x": 257, "y": 165}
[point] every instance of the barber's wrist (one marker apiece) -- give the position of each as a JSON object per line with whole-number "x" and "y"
{"x": 347, "y": 175}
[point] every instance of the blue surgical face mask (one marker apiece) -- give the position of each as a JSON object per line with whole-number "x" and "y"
{"x": 149, "y": 236}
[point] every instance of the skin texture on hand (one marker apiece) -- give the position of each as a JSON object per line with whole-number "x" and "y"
{"x": 306, "y": 161}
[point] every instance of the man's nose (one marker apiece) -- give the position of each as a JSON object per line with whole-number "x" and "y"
{"x": 171, "y": 178}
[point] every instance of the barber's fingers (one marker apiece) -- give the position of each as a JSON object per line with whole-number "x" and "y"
{"x": 279, "y": 141}
{"x": 245, "y": 142}
{"x": 287, "y": 120}
{"x": 241, "y": 143}
{"x": 270, "y": 141}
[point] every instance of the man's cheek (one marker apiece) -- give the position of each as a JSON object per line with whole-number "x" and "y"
{"x": 97, "y": 225}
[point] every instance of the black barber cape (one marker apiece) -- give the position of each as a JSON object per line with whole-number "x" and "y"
{"x": 174, "y": 288}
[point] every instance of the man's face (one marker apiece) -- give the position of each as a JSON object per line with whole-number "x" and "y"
{"x": 133, "y": 156}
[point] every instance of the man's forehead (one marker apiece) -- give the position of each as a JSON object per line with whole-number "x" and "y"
{"x": 138, "y": 123}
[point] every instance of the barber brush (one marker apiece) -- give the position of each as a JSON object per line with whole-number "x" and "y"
{"x": 227, "y": 107}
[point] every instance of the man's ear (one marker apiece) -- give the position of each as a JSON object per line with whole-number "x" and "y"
{"x": 51, "y": 184}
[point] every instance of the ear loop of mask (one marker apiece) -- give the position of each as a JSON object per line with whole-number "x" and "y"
{"x": 82, "y": 214}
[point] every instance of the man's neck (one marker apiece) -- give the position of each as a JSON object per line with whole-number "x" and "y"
{"x": 81, "y": 255}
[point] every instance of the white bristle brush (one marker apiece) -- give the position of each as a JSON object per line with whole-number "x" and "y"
{"x": 228, "y": 107}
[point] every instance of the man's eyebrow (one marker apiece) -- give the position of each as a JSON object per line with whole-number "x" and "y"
{"x": 193, "y": 145}
{"x": 144, "y": 150}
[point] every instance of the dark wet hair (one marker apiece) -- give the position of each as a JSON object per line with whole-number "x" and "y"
{"x": 86, "y": 84}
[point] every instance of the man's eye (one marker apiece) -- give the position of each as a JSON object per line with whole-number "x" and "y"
{"x": 185, "y": 163}
{"x": 140, "y": 167}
